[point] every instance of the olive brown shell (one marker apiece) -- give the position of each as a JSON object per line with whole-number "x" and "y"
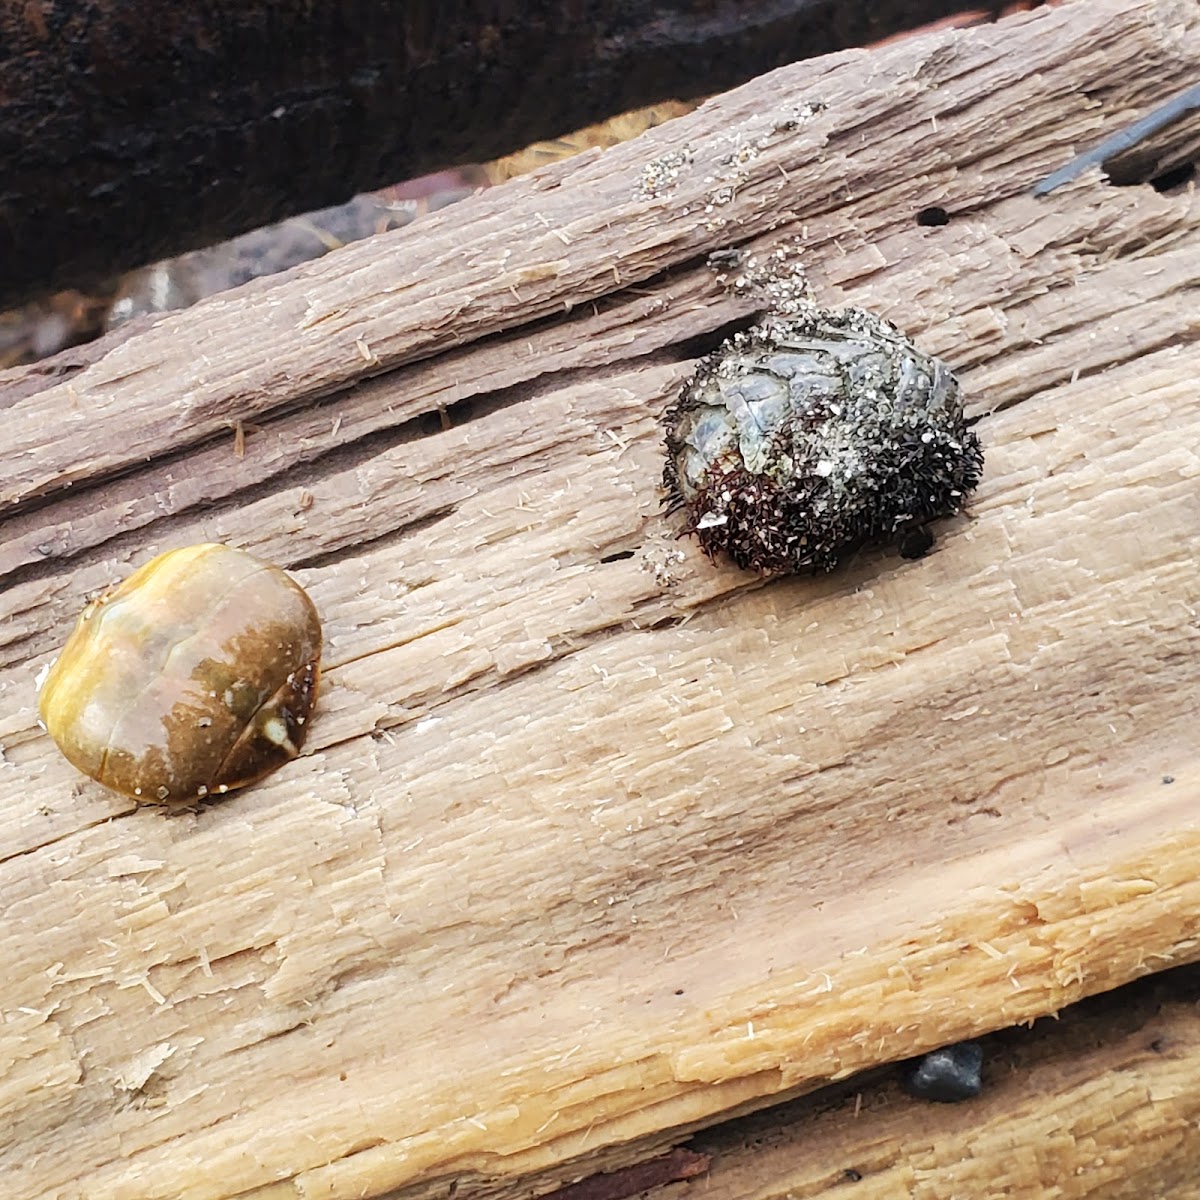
{"x": 195, "y": 675}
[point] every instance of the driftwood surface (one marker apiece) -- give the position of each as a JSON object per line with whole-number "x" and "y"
{"x": 598, "y": 841}
{"x": 206, "y": 120}
{"x": 1099, "y": 1101}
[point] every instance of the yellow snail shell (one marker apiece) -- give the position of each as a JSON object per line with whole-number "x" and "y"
{"x": 195, "y": 675}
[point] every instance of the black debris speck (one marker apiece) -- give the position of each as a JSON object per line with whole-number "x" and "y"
{"x": 933, "y": 216}
{"x": 916, "y": 543}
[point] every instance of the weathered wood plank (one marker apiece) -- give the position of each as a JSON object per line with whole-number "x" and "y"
{"x": 537, "y": 248}
{"x": 1102, "y": 1103}
{"x": 214, "y": 119}
{"x": 598, "y": 840}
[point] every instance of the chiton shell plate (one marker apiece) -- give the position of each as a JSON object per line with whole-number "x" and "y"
{"x": 810, "y": 435}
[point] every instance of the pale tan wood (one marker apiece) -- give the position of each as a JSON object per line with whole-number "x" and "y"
{"x": 1102, "y": 1103}
{"x": 598, "y": 841}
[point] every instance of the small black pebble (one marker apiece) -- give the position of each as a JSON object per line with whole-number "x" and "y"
{"x": 1168, "y": 779}
{"x": 947, "y": 1075}
{"x": 726, "y": 259}
{"x": 851, "y": 1175}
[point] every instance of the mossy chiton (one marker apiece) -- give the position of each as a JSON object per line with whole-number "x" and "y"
{"x": 813, "y": 434}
